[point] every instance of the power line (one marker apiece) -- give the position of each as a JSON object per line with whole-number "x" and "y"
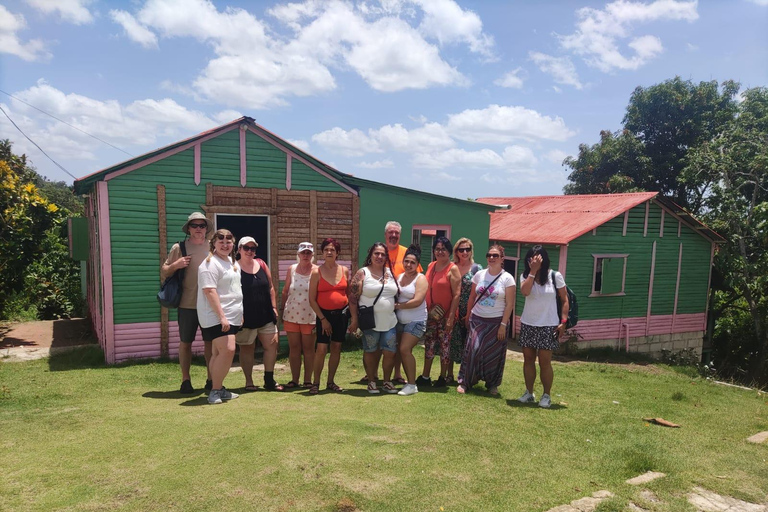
{"x": 38, "y": 147}
{"x": 62, "y": 121}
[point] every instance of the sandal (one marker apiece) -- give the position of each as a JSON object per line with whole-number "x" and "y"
{"x": 251, "y": 387}
{"x": 399, "y": 380}
{"x": 493, "y": 390}
{"x": 307, "y": 384}
{"x": 314, "y": 389}
{"x": 274, "y": 386}
{"x": 291, "y": 385}
{"x": 332, "y": 386}
{"x": 449, "y": 379}
{"x": 460, "y": 389}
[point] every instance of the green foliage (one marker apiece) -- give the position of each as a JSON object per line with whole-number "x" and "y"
{"x": 35, "y": 270}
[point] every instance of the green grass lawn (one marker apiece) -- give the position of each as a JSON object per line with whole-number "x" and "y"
{"x": 77, "y": 435}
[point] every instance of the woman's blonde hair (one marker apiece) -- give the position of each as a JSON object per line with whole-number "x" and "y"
{"x": 212, "y": 246}
{"x": 464, "y": 240}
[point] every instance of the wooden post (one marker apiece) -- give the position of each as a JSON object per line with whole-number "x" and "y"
{"x": 163, "y": 242}
{"x": 274, "y": 247}
{"x": 313, "y": 217}
{"x": 355, "y": 233}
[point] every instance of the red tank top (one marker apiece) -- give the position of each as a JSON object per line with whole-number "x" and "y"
{"x": 439, "y": 286}
{"x": 331, "y": 297}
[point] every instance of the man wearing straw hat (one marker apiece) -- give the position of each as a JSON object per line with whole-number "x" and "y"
{"x": 198, "y": 229}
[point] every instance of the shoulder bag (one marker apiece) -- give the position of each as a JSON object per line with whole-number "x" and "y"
{"x": 365, "y": 318}
{"x": 169, "y": 295}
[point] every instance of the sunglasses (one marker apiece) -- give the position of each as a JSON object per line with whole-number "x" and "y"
{"x": 248, "y": 248}
{"x": 222, "y": 237}
{"x": 464, "y": 249}
{"x": 440, "y": 249}
{"x": 198, "y": 226}
{"x": 492, "y": 255}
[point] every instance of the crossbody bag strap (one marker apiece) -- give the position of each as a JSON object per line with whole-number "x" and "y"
{"x": 477, "y": 299}
{"x": 183, "y": 249}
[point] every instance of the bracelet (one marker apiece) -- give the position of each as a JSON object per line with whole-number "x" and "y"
{"x": 322, "y": 319}
{"x": 502, "y": 323}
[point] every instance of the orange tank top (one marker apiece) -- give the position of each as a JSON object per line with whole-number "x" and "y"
{"x": 439, "y": 286}
{"x": 331, "y": 297}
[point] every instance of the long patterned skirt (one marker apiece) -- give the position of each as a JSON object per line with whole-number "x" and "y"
{"x": 484, "y": 355}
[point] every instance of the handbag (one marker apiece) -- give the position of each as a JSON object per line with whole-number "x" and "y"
{"x": 365, "y": 318}
{"x": 169, "y": 295}
{"x": 436, "y": 312}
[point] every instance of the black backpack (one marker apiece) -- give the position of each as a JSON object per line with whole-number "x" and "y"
{"x": 573, "y": 312}
{"x": 169, "y": 295}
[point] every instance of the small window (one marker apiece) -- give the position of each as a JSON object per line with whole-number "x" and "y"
{"x": 609, "y": 275}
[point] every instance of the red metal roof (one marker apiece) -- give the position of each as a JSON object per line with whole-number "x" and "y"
{"x": 556, "y": 219}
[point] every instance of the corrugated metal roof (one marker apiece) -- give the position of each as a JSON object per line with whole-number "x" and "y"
{"x": 556, "y": 219}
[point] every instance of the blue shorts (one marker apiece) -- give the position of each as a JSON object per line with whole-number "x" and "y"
{"x": 415, "y": 329}
{"x": 377, "y": 340}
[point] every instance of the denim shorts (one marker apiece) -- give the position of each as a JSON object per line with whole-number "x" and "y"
{"x": 416, "y": 329}
{"x": 377, "y": 340}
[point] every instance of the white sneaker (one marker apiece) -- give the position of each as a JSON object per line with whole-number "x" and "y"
{"x": 527, "y": 397}
{"x": 545, "y": 401}
{"x": 408, "y": 389}
{"x": 226, "y": 394}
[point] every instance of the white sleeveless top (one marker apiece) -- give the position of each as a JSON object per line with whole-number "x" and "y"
{"x": 297, "y": 308}
{"x": 384, "y": 310}
{"x": 417, "y": 314}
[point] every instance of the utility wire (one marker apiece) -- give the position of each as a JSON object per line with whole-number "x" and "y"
{"x": 38, "y": 147}
{"x": 62, "y": 121}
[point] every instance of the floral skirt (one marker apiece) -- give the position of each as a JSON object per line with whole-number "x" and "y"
{"x": 542, "y": 338}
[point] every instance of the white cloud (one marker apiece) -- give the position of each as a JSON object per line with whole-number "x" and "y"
{"x": 760, "y": 2}
{"x": 502, "y": 124}
{"x": 133, "y": 29}
{"x": 556, "y": 156}
{"x": 458, "y": 158}
{"x": 444, "y": 176}
{"x": 519, "y": 157}
{"x": 378, "y": 164}
{"x": 139, "y": 125}
{"x": 72, "y": 11}
{"x": 446, "y": 21}
{"x": 348, "y": 143}
{"x": 300, "y": 143}
{"x": 599, "y": 32}
{"x": 256, "y": 66}
{"x": 512, "y": 80}
{"x": 561, "y": 68}
{"x": 430, "y": 137}
{"x": 10, "y": 43}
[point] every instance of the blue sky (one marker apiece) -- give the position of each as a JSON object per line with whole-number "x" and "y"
{"x": 465, "y": 99}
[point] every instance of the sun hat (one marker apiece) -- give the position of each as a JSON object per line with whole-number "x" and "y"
{"x": 197, "y": 216}
{"x": 246, "y": 240}
{"x": 305, "y": 246}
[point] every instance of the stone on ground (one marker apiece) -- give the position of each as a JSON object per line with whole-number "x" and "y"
{"x": 586, "y": 504}
{"x": 708, "y": 501}
{"x": 645, "y": 478}
{"x": 758, "y": 438}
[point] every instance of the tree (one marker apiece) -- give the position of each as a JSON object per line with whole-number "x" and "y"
{"x": 661, "y": 124}
{"x": 731, "y": 170}
{"x": 30, "y": 226}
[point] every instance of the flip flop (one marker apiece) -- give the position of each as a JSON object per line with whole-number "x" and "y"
{"x": 399, "y": 380}
{"x": 291, "y": 385}
{"x": 252, "y": 387}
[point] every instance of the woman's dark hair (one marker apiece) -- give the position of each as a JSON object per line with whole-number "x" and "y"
{"x": 369, "y": 259}
{"x": 331, "y": 241}
{"x": 543, "y": 274}
{"x": 415, "y": 250}
{"x": 446, "y": 243}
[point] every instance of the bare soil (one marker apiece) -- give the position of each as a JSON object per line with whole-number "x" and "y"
{"x": 47, "y": 334}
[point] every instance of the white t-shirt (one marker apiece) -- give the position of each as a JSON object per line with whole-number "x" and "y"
{"x": 220, "y": 274}
{"x": 541, "y": 305}
{"x": 493, "y": 301}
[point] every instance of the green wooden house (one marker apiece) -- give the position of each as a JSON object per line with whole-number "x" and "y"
{"x": 638, "y": 264}
{"x": 252, "y": 182}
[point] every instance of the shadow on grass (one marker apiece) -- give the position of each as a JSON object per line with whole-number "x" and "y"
{"x": 605, "y": 355}
{"x": 513, "y": 402}
{"x": 172, "y": 395}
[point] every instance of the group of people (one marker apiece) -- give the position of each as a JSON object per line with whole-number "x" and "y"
{"x": 460, "y": 310}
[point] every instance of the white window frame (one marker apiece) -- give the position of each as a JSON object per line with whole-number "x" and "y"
{"x": 596, "y": 257}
